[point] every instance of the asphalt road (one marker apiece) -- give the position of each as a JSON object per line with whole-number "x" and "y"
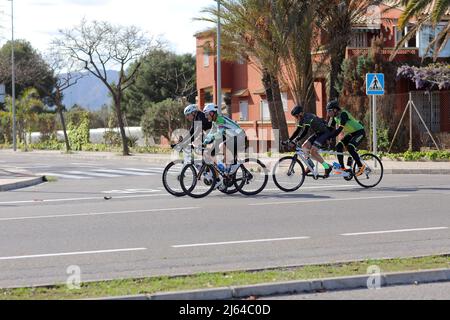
{"x": 142, "y": 231}
{"x": 432, "y": 291}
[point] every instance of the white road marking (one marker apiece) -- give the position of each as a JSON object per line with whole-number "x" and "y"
{"x": 326, "y": 200}
{"x": 92, "y": 214}
{"x": 123, "y": 172}
{"x": 150, "y": 170}
{"x": 64, "y": 176}
{"x": 392, "y": 231}
{"x": 70, "y": 254}
{"x": 83, "y": 199}
{"x": 320, "y": 187}
{"x": 131, "y": 191}
{"x": 93, "y": 174}
{"x": 238, "y": 242}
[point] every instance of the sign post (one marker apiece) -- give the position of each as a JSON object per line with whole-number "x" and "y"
{"x": 374, "y": 88}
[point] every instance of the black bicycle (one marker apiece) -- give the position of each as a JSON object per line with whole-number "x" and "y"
{"x": 250, "y": 178}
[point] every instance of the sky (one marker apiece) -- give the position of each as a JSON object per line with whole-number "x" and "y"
{"x": 38, "y": 21}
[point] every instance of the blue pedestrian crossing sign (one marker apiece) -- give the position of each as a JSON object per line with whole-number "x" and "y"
{"x": 375, "y": 84}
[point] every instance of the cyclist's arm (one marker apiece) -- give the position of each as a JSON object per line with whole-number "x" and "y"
{"x": 303, "y": 133}
{"x": 295, "y": 134}
{"x": 344, "y": 120}
{"x": 213, "y": 134}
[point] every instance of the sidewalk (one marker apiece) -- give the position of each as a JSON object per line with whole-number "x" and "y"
{"x": 13, "y": 178}
{"x": 390, "y": 166}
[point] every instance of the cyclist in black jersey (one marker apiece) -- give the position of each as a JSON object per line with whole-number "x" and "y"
{"x": 199, "y": 122}
{"x": 308, "y": 122}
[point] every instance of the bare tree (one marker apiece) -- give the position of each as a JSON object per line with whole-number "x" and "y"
{"x": 66, "y": 75}
{"x": 101, "y": 46}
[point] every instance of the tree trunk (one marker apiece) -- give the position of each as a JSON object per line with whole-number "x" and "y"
{"x": 267, "y": 81}
{"x": 278, "y": 118}
{"x": 278, "y": 104}
{"x": 63, "y": 123}
{"x": 308, "y": 94}
{"x": 117, "y": 103}
{"x": 336, "y": 63}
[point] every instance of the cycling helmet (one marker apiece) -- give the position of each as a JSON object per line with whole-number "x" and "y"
{"x": 210, "y": 108}
{"x": 297, "y": 110}
{"x": 190, "y": 109}
{"x": 333, "y": 105}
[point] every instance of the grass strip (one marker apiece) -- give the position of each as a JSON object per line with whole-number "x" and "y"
{"x": 216, "y": 280}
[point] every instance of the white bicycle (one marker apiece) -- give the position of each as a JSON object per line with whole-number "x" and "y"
{"x": 289, "y": 173}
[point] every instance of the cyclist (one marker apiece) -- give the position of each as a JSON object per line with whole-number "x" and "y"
{"x": 310, "y": 122}
{"x": 343, "y": 121}
{"x": 198, "y": 119}
{"x": 224, "y": 129}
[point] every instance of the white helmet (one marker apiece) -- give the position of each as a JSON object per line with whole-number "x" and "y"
{"x": 190, "y": 109}
{"x": 211, "y": 107}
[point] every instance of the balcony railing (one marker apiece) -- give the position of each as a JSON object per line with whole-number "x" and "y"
{"x": 386, "y": 51}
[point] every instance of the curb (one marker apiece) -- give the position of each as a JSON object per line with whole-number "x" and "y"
{"x": 22, "y": 184}
{"x": 164, "y": 159}
{"x": 298, "y": 287}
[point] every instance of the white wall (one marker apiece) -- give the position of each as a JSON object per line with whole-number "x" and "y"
{"x": 96, "y": 135}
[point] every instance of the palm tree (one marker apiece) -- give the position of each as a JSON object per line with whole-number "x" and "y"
{"x": 336, "y": 18}
{"x": 294, "y": 35}
{"x": 28, "y": 105}
{"x": 246, "y": 32}
{"x": 426, "y": 12}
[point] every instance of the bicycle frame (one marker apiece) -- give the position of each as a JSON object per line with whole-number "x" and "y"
{"x": 300, "y": 153}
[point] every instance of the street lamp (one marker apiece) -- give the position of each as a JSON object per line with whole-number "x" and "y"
{"x": 13, "y": 78}
{"x": 219, "y": 61}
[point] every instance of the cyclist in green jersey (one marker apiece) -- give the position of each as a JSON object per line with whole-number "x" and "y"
{"x": 343, "y": 121}
{"x": 227, "y": 132}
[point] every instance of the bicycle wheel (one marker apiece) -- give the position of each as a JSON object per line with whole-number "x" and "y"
{"x": 251, "y": 178}
{"x": 373, "y": 174}
{"x": 171, "y": 178}
{"x": 289, "y": 174}
{"x": 230, "y": 187}
{"x": 198, "y": 184}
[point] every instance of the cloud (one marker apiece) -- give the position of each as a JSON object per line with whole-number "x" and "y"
{"x": 38, "y": 20}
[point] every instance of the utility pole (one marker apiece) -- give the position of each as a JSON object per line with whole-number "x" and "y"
{"x": 219, "y": 60}
{"x": 13, "y": 78}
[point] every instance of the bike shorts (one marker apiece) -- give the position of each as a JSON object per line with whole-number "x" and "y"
{"x": 354, "y": 138}
{"x": 319, "y": 140}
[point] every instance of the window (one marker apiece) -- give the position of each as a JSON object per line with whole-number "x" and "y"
{"x": 243, "y": 108}
{"x": 426, "y": 35}
{"x": 284, "y": 99}
{"x": 265, "y": 113}
{"x": 359, "y": 40}
{"x": 399, "y": 34}
{"x": 206, "y": 57}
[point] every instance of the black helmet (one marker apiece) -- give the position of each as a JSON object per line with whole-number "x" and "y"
{"x": 333, "y": 105}
{"x": 297, "y": 110}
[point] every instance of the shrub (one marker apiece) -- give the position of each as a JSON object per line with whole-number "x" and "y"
{"x": 79, "y": 132}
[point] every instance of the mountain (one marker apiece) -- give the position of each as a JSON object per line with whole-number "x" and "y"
{"x": 90, "y": 92}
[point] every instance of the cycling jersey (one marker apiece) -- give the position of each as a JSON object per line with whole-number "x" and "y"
{"x": 204, "y": 126}
{"x": 348, "y": 122}
{"x": 310, "y": 122}
{"x": 223, "y": 126}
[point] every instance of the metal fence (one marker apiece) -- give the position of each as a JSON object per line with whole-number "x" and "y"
{"x": 393, "y": 116}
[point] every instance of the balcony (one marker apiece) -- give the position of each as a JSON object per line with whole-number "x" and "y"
{"x": 402, "y": 54}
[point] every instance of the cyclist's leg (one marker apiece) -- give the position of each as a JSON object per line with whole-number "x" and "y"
{"x": 318, "y": 143}
{"x": 353, "y": 144}
{"x": 308, "y": 145}
{"x": 340, "y": 149}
